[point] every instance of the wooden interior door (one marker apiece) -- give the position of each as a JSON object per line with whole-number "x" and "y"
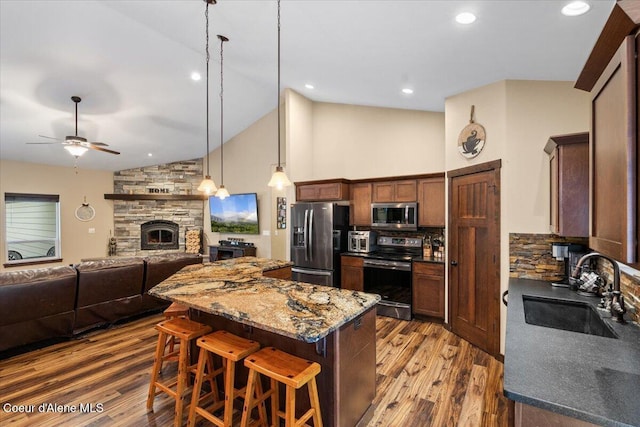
{"x": 474, "y": 255}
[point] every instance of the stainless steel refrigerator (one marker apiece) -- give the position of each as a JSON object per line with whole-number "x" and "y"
{"x": 318, "y": 237}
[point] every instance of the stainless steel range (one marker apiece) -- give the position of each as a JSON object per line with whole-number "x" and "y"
{"x": 387, "y": 272}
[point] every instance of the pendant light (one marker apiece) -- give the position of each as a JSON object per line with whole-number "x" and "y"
{"x": 222, "y": 192}
{"x": 207, "y": 185}
{"x": 279, "y": 178}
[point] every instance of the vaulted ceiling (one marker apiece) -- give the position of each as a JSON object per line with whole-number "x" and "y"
{"x": 130, "y": 61}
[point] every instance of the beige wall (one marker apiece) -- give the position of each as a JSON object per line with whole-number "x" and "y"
{"x": 353, "y": 141}
{"x": 249, "y": 159}
{"x": 519, "y": 117}
{"x": 75, "y": 239}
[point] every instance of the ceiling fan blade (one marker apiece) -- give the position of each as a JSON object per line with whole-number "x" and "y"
{"x": 40, "y": 143}
{"x": 93, "y": 147}
{"x": 100, "y": 144}
{"x": 48, "y": 137}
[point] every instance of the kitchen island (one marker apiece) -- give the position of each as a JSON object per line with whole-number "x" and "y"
{"x": 331, "y": 326}
{"x": 555, "y": 374}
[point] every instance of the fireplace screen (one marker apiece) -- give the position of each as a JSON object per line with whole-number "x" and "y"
{"x": 159, "y": 234}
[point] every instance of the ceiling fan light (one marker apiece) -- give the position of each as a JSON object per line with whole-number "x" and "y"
{"x": 279, "y": 179}
{"x": 207, "y": 186}
{"x": 222, "y": 193}
{"x": 76, "y": 150}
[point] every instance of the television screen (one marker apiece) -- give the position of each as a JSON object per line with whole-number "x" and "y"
{"x": 237, "y": 213}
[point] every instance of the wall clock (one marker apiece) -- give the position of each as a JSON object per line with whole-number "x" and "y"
{"x": 472, "y": 138}
{"x": 85, "y": 212}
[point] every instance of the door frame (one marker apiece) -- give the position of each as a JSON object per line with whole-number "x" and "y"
{"x": 493, "y": 344}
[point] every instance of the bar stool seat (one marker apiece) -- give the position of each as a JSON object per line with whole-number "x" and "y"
{"x": 231, "y": 348}
{"x": 292, "y": 371}
{"x": 185, "y": 331}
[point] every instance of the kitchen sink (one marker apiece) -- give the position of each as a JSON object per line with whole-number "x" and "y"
{"x": 566, "y": 315}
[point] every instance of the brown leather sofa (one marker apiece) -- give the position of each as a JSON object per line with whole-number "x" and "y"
{"x": 36, "y": 305}
{"x": 108, "y": 291}
{"x": 158, "y": 268}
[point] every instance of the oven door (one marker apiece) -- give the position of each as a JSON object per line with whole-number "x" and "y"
{"x": 392, "y": 281}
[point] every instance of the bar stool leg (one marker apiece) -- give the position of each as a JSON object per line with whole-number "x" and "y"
{"x": 229, "y": 376}
{"x": 182, "y": 379}
{"x": 275, "y": 403}
{"x": 315, "y": 402}
{"x": 290, "y": 411}
{"x": 197, "y": 385}
{"x": 157, "y": 365}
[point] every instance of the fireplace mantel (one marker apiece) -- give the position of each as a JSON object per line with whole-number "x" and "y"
{"x": 153, "y": 196}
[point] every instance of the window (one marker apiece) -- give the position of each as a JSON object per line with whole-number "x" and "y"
{"x": 32, "y": 227}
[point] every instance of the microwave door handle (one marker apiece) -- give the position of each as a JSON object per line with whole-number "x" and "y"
{"x": 306, "y": 235}
{"x": 311, "y": 234}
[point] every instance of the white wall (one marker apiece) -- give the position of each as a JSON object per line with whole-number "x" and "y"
{"x": 75, "y": 239}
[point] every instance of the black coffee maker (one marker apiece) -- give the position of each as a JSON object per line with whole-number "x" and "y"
{"x": 570, "y": 253}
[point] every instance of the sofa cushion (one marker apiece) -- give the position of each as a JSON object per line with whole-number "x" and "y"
{"x": 106, "y": 280}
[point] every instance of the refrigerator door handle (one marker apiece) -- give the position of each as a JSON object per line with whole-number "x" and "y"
{"x": 312, "y": 272}
{"x": 311, "y": 234}
{"x": 306, "y": 235}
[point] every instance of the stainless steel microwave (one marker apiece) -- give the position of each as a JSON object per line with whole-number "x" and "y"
{"x": 395, "y": 215}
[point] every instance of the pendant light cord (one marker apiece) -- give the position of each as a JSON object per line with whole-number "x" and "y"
{"x": 278, "y": 85}
{"x": 206, "y": 16}
{"x": 222, "y": 40}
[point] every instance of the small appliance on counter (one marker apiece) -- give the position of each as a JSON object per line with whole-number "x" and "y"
{"x": 570, "y": 253}
{"x": 362, "y": 241}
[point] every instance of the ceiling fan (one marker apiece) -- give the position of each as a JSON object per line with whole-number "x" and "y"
{"x": 77, "y": 145}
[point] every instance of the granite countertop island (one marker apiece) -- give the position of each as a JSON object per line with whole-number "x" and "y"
{"x": 591, "y": 378}
{"x": 237, "y": 290}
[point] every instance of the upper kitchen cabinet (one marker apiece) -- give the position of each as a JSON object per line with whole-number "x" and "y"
{"x": 360, "y": 212}
{"x": 569, "y": 184}
{"x": 431, "y": 202}
{"x": 610, "y": 74}
{"x": 322, "y": 191}
{"x": 394, "y": 191}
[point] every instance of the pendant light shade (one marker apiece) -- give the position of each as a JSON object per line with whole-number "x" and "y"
{"x": 279, "y": 179}
{"x": 222, "y": 192}
{"x": 207, "y": 185}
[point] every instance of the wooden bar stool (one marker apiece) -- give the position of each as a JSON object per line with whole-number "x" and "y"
{"x": 231, "y": 348}
{"x": 174, "y": 310}
{"x": 185, "y": 331}
{"x": 287, "y": 369}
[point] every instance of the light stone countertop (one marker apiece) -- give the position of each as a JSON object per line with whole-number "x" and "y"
{"x": 236, "y": 289}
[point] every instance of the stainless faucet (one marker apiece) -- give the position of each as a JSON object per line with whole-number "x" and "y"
{"x": 614, "y": 300}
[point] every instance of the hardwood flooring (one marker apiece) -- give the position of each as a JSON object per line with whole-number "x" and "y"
{"x": 426, "y": 376}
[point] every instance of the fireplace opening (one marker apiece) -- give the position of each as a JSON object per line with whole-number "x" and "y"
{"x": 159, "y": 234}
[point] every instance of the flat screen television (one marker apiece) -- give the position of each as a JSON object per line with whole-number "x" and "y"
{"x": 237, "y": 213}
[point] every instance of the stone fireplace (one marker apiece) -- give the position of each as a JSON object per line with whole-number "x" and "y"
{"x": 159, "y": 235}
{"x": 157, "y": 196}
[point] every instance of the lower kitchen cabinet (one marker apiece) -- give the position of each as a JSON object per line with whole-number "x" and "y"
{"x": 531, "y": 416}
{"x": 428, "y": 289}
{"x": 352, "y": 273}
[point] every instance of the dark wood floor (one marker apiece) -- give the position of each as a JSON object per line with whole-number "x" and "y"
{"x": 426, "y": 376}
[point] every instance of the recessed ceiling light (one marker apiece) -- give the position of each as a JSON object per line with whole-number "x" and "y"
{"x": 150, "y": 154}
{"x": 309, "y": 86}
{"x": 465, "y": 18}
{"x": 407, "y": 91}
{"x": 576, "y": 8}
{"x": 195, "y": 76}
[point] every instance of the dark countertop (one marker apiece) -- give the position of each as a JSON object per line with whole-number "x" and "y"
{"x": 591, "y": 378}
{"x": 236, "y": 289}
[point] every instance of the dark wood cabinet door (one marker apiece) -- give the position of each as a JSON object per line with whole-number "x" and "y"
{"x": 474, "y": 255}
{"x": 569, "y": 184}
{"x": 322, "y": 191}
{"x": 431, "y": 202}
{"x": 352, "y": 273}
{"x": 428, "y": 289}
{"x": 614, "y": 159}
{"x": 360, "y": 212}
{"x": 394, "y": 191}
{"x": 383, "y": 192}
